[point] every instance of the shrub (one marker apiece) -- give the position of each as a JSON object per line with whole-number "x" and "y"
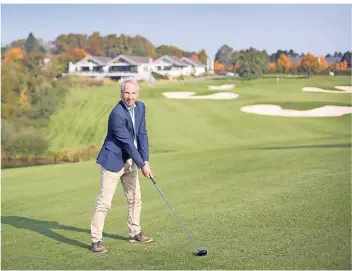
{"x": 50, "y": 157}
{"x": 157, "y": 76}
{"x": 80, "y": 81}
{"x": 95, "y": 82}
{"x": 26, "y": 143}
{"x": 108, "y": 81}
{"x": 345, "y": 72}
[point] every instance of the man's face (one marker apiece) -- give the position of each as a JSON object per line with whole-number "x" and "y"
{"x": 130, "y": 94}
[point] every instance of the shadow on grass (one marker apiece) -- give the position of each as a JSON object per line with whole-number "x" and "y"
{"x": 341, "y": 145}
{"x": 46, "y": 228}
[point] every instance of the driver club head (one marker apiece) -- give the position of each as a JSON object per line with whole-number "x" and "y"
{"x": 201, "y": 252}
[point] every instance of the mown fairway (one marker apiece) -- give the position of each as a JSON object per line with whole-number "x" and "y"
{"x": 258, "y": 192}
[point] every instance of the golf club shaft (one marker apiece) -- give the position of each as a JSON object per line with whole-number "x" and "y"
{"x": 183, "y": 226}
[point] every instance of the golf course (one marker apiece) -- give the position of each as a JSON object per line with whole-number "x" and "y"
{"x": 257, "y": 191}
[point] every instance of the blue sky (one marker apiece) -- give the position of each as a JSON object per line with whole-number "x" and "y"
{"x": 317, "y": 28}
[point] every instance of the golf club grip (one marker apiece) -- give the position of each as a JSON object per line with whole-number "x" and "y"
{"x": 153, "y": 180}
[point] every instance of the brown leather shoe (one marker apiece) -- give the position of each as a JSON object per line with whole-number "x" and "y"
{"x": 98, "y": 247}
{"x": 140, "y": 238}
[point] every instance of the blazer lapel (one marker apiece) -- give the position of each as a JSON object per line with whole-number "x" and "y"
{"x": 127, "y": 115}
{"x": 137, "y": 116}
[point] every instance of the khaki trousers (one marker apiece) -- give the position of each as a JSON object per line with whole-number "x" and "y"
{"x": 108, "y": 182}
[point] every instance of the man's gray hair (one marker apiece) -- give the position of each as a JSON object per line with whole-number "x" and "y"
{"x": 129, "y": 80}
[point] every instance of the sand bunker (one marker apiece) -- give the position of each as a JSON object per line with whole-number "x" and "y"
{"x": 222, "y": 87}
{"x": 345, "y": 89}
{"x": 275, "y": 110}
{"x": 189, "y": 95}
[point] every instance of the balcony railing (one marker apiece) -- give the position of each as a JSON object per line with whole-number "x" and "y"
{"x": 103, "y": 73}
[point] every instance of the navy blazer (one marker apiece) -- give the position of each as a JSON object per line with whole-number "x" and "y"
{"x": 119, "y": 141}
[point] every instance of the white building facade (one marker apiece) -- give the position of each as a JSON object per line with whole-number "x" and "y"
{"x": 139, "y": 67}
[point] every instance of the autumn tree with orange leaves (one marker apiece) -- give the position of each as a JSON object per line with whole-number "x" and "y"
{"x": 323, "y": 64}
{"x": 14, "y": 54}
{"x": 283, "y": 64}
{"x": 65, "y": 58}
{"x": 341, "y": 66}
{"x": 218, "y": 67}
{"x": 310, "y": 64}
{"x": 78, "y": 53}
{"x": 272, "y": 67}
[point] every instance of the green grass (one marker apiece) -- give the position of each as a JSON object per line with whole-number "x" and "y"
{"x": 258, "y": 192}
{"x": 83, "y": 120}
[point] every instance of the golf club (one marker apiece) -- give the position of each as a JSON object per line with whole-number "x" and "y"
{"x": 201, "y": 252}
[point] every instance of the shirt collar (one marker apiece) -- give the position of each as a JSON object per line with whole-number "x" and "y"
{"x": 129, "y": 108}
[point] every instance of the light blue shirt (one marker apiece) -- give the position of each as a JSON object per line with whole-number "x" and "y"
{"x": 132, "y": 114}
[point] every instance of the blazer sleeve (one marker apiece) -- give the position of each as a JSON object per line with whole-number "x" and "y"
{"x": 121, "y": 134}
{"x": 143, "y": 138}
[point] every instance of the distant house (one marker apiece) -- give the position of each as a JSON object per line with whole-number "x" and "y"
{"x": 174, "y": 66}
{"x": 171, "y": 66}
{"x": 116, "y": 68}
{"x": 139, "y": 67}
{"x": 88, "y": 64}
{"x": 194, "y": 66}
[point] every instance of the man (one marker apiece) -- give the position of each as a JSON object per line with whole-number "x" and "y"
{"x": 125, "y": 149}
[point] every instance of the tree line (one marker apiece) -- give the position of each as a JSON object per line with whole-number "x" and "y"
{"x": 253, "y": 63}
{"x": 72, "y": 47}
